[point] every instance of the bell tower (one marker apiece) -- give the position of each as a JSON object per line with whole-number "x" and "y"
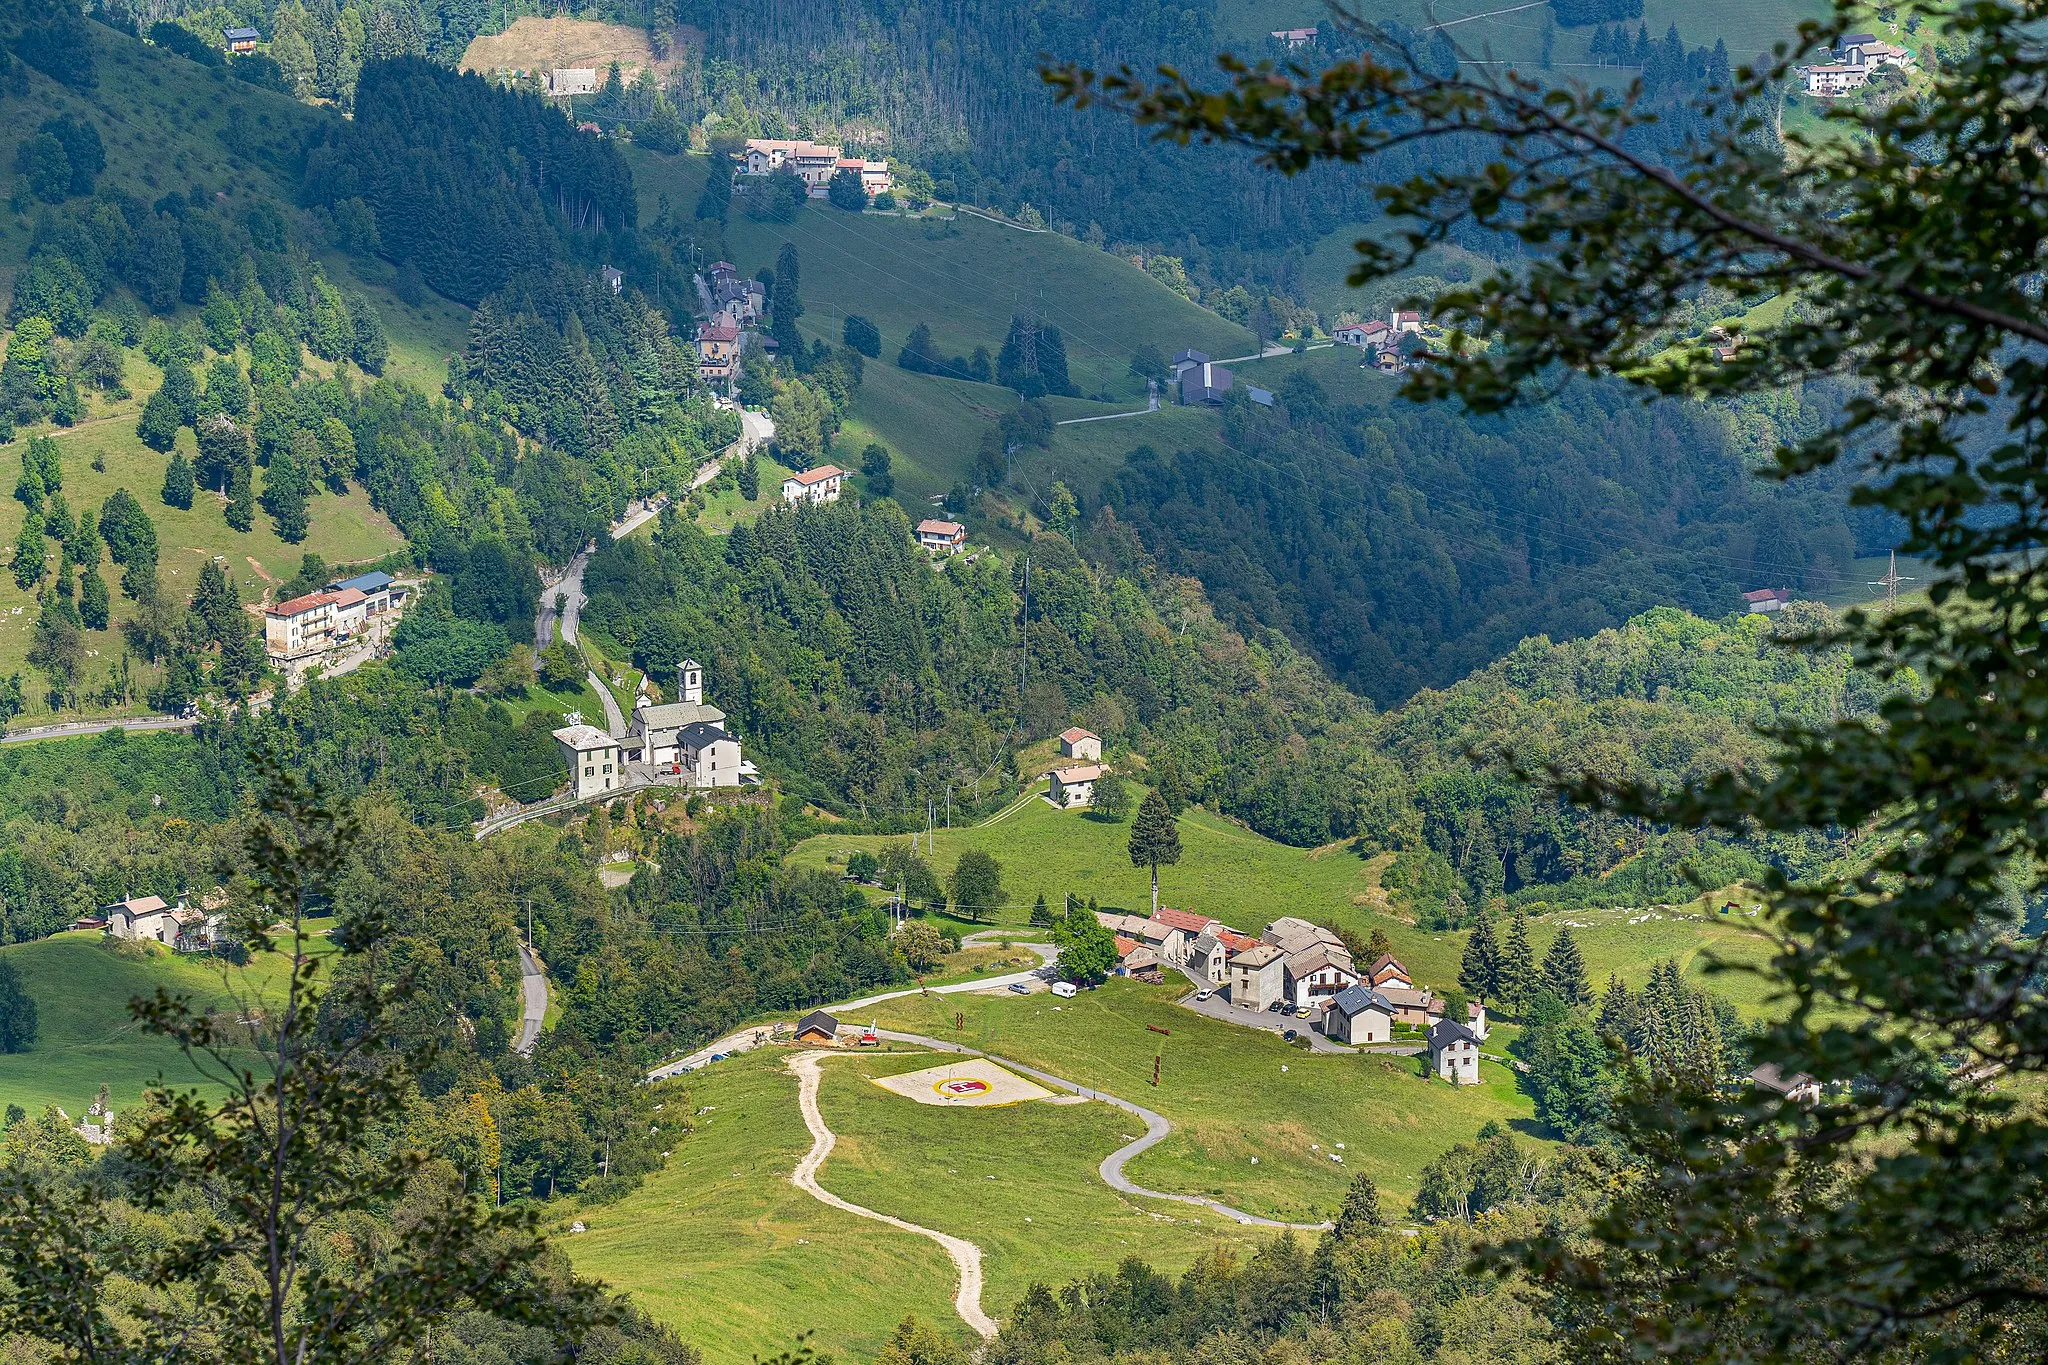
{"x": 690, "y": 681}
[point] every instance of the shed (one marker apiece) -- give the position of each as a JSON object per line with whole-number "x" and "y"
{"x": 817, "y": 1027}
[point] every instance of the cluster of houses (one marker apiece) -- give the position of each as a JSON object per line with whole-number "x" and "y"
{"x": 182, "y": 927}
{"x": 1306, "y": 970}
{"x": 304, "y": 629}
{"x": 814, "y": 162}
{"x": 680, "y": 743}
{"x": 1857, "y": 57}
{"x": 1381, "y": 341}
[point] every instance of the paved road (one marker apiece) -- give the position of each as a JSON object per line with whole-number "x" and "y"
{"x": 570, "y": 588}
{"x": 95, "y": 727}
{"x": 747, "y": 1039}
{"x": 613, "y": 719}
{"x": 533, "y": 985}
{"x": 1157, "y": 1129}
{"x": 1276, "y": 1022}
{"x": 965, "y": 1254}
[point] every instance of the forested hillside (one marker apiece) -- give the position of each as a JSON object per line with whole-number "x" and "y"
{"x": 1407, "y": 545}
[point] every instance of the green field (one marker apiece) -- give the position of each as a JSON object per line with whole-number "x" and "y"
{"x": 964, "y": 277}
{"x": 721, "y": 1246}
{"x": 82, "y": 984}
{"x": 1230, "y": 1101}
{"x": 344, "y": 529}
{"x": 1513, "y": 33}
{"x": 1246, "y": 880}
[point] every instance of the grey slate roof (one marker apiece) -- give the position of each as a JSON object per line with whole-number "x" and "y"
{"x": 698, "y": 734}
{"x": 677, "y": 714}
{"x": 1445, "y": 1032}
{"x": 1353, "y": 1001}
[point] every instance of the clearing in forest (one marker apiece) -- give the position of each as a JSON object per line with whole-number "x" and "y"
{"x": 533, "y": 44}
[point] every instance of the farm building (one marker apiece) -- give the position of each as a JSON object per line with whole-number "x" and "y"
{"x": 817, "y": 1027}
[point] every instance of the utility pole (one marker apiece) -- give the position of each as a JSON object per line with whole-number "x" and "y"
{"x": 949, "y": 805}
{"x": 1890, "y": 583}
{"x": 1024, "y": 634}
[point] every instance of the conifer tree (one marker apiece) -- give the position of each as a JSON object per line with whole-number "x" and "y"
{"x": 1517, "y": 973}
{"x": 1155, "y": 839}
{"x": 1564, "y": 971}
{"x": 1360, "y": 1212}
{"x": 178, "y": 483}
{"x": 158, "y": 425}
{"x": 1041, "y": 915}
{"x": 241, "y": 510}
{"x": 31, "y": 560}
{"x": 1479, "y": 971}
{"x": 92, "y": 600}
{"x": 285, "y": 490}
{"x": 750, "y": 478}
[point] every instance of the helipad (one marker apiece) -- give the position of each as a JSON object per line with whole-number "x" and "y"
{"x": 972, "y": 1082}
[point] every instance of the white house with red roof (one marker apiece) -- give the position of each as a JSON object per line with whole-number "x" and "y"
{"x": 1082, "y": 744}
{"x": 941, "y": 537}
{"x": 1768, "y": 599}
{"x": 1073, "y": 785}
{"x": 822, "y": 484}
{"x": 312, "y": 623}
{"x": 1363, "y": 334}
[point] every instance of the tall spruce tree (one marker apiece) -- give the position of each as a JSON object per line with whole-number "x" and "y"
{"x": 1479, "y": 970}
{"x": 1155, "y": 839}
{"x": 1564, "y": 971}
{"x": 1517, "y": 975}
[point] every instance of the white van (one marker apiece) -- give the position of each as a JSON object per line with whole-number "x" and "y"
{"x": 1065, "y": 990}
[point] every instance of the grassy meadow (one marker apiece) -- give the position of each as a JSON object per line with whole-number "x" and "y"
{"x": 1255, "y": 1119}
{"x": 344, "y": 529}
{"x": 82, "y": 984}
{"x": 722, "y": 1247}
{"x": 1246, "y": 880}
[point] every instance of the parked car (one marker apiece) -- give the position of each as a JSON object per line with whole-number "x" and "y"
{"x": 1302, "y": 1013}
{"x": 1204, "y": 995}
{"x": 1275, "y": 1007}
{"x": 1020, "y": 988}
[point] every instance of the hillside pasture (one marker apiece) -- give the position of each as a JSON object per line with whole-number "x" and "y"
{"x": 1246, "y": 880}
{"x": 82, "y": 984}
{"x": 531, "y": 43}
{"x": 1256, "y": 1121}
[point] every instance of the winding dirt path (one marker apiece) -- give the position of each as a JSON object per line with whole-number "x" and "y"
{"x": 966, "y": 1255}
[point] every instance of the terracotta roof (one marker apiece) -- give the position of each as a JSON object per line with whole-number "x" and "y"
{"x": 933, "y": 526}
{"x": 1080, "y": 772}
{"x": 140, "y": 905}
{"x": 348, "y": 597}
{"x": 1186, "y": 920}
{"x": 1768, "y": 595}
{"x": 1126, "y": 946}
{"x": 303, "y": 604}
{"x": 717, "y": 331}
{"x": 1076, "y": 732}
{"x": 1236, "y": 942}
{"x": 818, "y": 475}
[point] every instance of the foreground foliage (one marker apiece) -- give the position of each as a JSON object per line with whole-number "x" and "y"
{"x": 1899, "y": 1218}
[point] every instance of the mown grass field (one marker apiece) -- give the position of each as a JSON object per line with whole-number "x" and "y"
{"x": 1234, "y": 1094}
{"x": 82, "y": 985}
{"x": 1020, "y": 1181}
{"x": 964, "y": 278}
{"x": 721, "y": 1246}
{"x": 1246, "y": 880}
